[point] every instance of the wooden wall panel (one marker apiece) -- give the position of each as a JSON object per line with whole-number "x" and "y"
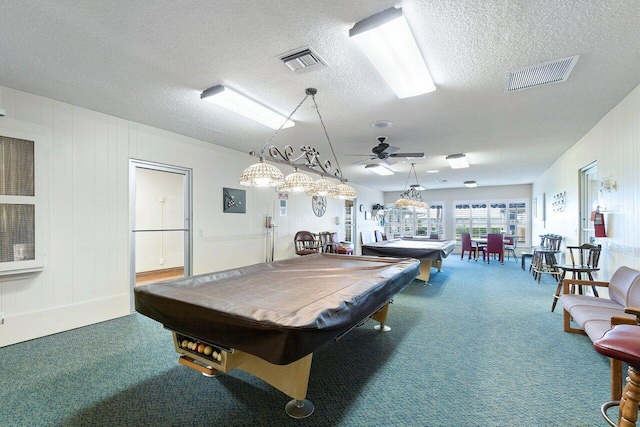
{"x": 28, "y": 107}
{"x": 83, "y": 210}
{"x": 101, "y": 229}
{"x": 46, "y": 277}
{"x": 61, "y": 255}
{"x": 119, "y": 207}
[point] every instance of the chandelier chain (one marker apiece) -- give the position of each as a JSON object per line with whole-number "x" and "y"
{"x": 408, "y": 177}
{"x": 283, "y": 123}
{"x": 414, "y": 172}
{"x": 339, "y": 169}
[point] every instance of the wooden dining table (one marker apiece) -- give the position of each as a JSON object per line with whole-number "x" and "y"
{"x": 479, "y": 242}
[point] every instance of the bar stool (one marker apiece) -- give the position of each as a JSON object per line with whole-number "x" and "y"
{"x": 544, "y": 258}
{"x": 622, "y": 342}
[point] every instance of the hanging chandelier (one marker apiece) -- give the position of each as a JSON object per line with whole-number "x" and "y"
{"x": 412, "y": 196}
{"x": 263, "y": 174}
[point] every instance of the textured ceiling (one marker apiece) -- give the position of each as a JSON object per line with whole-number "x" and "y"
{"x": 149, "y": 60}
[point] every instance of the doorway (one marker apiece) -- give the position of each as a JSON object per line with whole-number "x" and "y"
{"x": 160, "y": 220}
{"x": 588, "y": 201}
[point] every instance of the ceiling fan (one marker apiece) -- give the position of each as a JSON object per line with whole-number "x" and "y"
{"x": 385, "y": 152}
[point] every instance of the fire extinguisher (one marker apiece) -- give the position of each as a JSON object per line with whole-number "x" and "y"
{"x": 598, "y": 224}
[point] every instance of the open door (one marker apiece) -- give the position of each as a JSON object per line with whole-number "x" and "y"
{"x": 160, "y": 217}
{"x": 588, "y": 201}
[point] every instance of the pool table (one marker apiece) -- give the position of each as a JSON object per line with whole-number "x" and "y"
{"x": 429, "y": 252}
{"x": 268, "y": 319}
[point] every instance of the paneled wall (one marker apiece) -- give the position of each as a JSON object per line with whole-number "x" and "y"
{"x": 86, "y": 278}
{"x": 615, "y": 144}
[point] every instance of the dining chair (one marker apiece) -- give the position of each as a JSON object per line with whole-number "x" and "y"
{"x": 510, "y": 245}
{"x": 379, "y": 236}
{"x": 468, "y": 246}
{"x": 325, "y": 241}
{"x": 306, "y": 243}
{"x": 495, "y": 245}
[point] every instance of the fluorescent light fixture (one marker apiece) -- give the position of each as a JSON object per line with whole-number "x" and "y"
{"x": 457, "y": 161}
{"x": 470, "y": 184}
{"x": 231, "y": 100}
{"x": 379, "y": 169}
{"x": 388, "y": 43}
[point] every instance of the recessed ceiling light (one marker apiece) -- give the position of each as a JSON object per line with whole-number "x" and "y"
{"x": 470, "y": 184}
{"x": 433, "y": 171}
{"x": 379, "y": 169}
{"x": 381, "y": 124}
{"x": 458, "y": 161}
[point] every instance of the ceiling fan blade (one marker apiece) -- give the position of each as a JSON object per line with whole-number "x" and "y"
{"x": 359, "y": 162}
{"x": 362, "y": 155}
{"x": 408, "y": 155}
{"x": 389, "y": 161}
{"x": 390, "y": 149}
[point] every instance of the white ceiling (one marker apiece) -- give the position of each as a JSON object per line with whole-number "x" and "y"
{"x": 149, "y": 60}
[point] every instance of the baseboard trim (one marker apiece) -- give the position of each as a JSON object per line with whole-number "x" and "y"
{"x": 29, "y": 326}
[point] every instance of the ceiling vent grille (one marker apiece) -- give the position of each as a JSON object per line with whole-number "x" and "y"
{"x": 302, "y": 60}
{"x": 541, "y": 74}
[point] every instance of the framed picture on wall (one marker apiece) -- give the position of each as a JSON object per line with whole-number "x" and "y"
{"x": 233, "y": 200}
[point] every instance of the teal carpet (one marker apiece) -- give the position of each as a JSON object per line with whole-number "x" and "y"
{"x": 478, "y": 347}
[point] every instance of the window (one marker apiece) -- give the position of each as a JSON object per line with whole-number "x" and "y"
{"x": 481, "y": 218}
{"x": 431, "y": 222}
{"x": 21, "y": 210}
{"x": 401, "y": 221}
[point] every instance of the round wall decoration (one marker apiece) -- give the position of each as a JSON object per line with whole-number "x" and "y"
{"x": 319, "y": 205}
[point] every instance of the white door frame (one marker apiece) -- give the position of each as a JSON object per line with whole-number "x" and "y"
{"x": 188, "y": 211}
{"x": 587, "y": 189}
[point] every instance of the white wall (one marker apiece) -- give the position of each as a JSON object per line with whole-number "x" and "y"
{"x": 159, "y": 205}
{"x": 86, "y": 277}
{"x": 367, "y": 198}
{"x": 615, "y": 144}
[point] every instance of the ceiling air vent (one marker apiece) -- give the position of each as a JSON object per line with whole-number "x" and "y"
{"x": 541, "y": 74}
{"x": 302, "y": 60}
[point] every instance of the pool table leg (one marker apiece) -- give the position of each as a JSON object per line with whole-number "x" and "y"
{"x": 381, "y": 316}
{"x": 291, "y": 379}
